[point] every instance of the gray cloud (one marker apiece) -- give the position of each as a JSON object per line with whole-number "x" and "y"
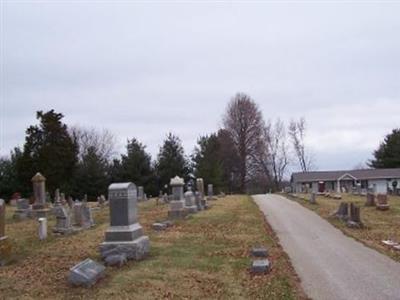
{"x": 143, "y": 70}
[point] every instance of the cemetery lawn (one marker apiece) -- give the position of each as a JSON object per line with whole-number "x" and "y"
{"x": 203, "y": 257}
{"x": 378, "y": 225}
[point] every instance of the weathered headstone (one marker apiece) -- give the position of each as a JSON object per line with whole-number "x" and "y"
{"x": 177, "y": 205}
{"x": 62, "y": 199}
{"x": 313, "y": 198}
{"x": 210, "y": 192}
{"x": 140, "y": 193}
{"x": 343, "y": 211}
{"x": 22, "y": 210}
{"x": 260, "y": 266}
{"x": 63, "y": 220}
{"x": 14, "y": 199}
{"x": 200, "y": 186}
{"x": 259, "y": 252}
{"x": 125, "y": 235}
{"x": 370, "y": 199}
{"x": 2, "y": 218}
{"x": 190, "y": 202}
{"x": 39, "y": 192}
{"x": 355, "y": 219}
{"x": 199, "y": 205}
{"x": 381, "y": 202}
{"x": 70, "y": 202}
{"x": 86, "y": 273}
{"x": 57, "y": 198}
{"x": 77, "y": 213}
{"x": 165, "y": 198}
{"x": 5, "y": 244}
{"x": 42, "y": 228}
{"x": 86, "y": 216}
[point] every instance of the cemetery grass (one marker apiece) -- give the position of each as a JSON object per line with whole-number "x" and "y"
{"x": 205, "y": 256}
{"x": 378, "y": 225}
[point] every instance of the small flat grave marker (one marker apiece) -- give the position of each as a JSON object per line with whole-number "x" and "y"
{"x": 86, "y": 273}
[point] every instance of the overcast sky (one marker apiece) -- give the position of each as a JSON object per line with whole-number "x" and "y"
{"x": 142, "y": 70}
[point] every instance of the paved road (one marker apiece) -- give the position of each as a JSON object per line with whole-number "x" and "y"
{"x": 330, "y": 264}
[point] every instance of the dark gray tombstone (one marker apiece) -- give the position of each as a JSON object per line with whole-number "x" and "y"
{"x": 125, "y": 235}
{"x": 259, "y": 252}
{"x": 313, "y": 198}
{"x": 86, "y": 273}
{"x": 370, "y": 199}
{"x": 141, "y": 196}
{"x": 39, "y": 191}
{"x": 210, "y": 192}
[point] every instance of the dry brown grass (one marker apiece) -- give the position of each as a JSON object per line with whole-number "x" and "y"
{"x": 379, "y": 225}
{"x": 203, "y": 257}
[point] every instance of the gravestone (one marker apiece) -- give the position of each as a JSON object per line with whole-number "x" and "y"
{"x": 5, "y": 244}
{"x": 63, "y": 220}
{"x": 77, "y": 213}
{"x": 86, "y": 273}
{"x": 62, "y": 199}
{"x": 57, "y": 198}
{"x": 22, "y": 210}
{"x": 200, "y": 186}
{"x": 198, "y": 201}
{"x": 260, "y": 266}
{"x": 101, "y": 201}
{"x": 210, "y": 192}
{"x": 86, "y": 216}
{"x": 370, "y": 199}
{"x": 140, "y": 193}
{"x": 39, "y": 192}
{"x": 190, "y": 202}
{"x": 42, "y": 230}
{"x": 70, "y": 202}
{"x": 14, "y": 198}
{"x": 313, "y": 198}
{"x": 259, "y": 252}
{"x": 355, "y": 219}
{"x": 165, "y": 198}
{"x": 2, "y": 219}
{"x": 381, "y": 202}
{"x": 177, "y": 205}
{"x": 125, "y": 235}
{"x": 343, "y": 211}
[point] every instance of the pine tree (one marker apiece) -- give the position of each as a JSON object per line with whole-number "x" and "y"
{"x": 207, "y": 163}
{"x": 171, "y": 160}
{"x": 48, "y": 149}
{"x": 388, "y": 153}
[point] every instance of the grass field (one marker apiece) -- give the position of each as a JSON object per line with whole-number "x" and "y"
{"x": 203, "y": 257}
{"x": 379, "y": 225}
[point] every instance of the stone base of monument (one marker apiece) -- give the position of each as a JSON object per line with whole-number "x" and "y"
{"x": 191, "y": 209}
{"x": 204, "y": 204}
{"x": 135, "y": 250}
{"x": 128, "y": 240}
{"x": 40, "y": 213}
{"x": 5, "y": 250}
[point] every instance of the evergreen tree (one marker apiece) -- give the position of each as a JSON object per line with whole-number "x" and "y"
{"x": 91, "y": 176}
{"x": 388, "y": 153}
{"x": 207, "y": 161}
{"x": 171, "y": 160}
{"x": 136, "y": 166}
{"x": 48, "y": 149}
{"x": 9, "y": 183}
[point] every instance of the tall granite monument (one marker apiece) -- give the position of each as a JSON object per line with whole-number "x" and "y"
{"x": 177, "y": 204}
{"x": 125, "y": 235}
{"x": 39, "y": 192}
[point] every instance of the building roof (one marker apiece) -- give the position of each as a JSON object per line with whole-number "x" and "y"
{"x": 335, "y": 175}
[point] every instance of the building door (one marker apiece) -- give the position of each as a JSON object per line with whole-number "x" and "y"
{"x": 321, "y": 187}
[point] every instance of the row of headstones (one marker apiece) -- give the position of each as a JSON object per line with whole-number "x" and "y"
{"x": 190, "y": 202}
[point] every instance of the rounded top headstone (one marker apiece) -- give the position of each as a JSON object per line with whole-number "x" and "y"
{"x": 177, "y": 181}
{"x": 38, "y": 178}
{"x": 121, "y": 186}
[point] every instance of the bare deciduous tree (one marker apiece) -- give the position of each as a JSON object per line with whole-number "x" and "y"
{"x": 297, "y": 133}
{"x": 276, "y": 148}
{"x": 103, "y": 141}
{"x": 244, "y": 121}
